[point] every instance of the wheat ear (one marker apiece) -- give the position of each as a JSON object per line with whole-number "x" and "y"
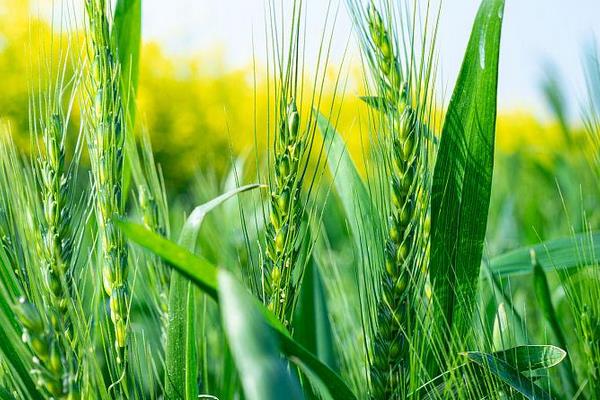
{"x": 106, "y": 147}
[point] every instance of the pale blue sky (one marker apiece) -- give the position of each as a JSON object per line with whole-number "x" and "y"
{"x": 535, "y": 32}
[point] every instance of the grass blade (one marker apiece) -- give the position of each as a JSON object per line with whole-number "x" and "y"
{"x": 254, "y": 346}
{"x": 312, "y": 327}
{"x": 181, "y": 355}
{"x": 463, "y": 172}
{"x": 532, "y": 357}
{"x": 570, "y": 252}
{"x": 189, "y": 233}
{"x": 348, "y": 183}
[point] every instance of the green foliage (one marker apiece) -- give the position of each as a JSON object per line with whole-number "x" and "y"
{"x": 463, "y": 173}
{"x": 321, "y": 286}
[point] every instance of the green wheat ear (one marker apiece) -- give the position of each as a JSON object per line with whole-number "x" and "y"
{"x": 57, "y": 255}
{"x": 285, "y": 214}
{"x": 106, "y": 147}
{"x": 406, "y": 244}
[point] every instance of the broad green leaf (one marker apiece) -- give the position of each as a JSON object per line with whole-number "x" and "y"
{"x": 463, "y": 173}
{"x": 532, "y": 357}
{"x": 181, "y": 362}
{"x": 254, "y": 345}
{"x": 312, "y": 328}
{"x": 570, "y": 252}
{"x": 126, "y": 35}
{"x": 508, "y": 375}
{"x": 204, "y": 275}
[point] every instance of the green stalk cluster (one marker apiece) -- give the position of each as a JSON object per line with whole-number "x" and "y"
{"x": 389, "y": 370}
{"x": 106, "y": 144}
{"x": 285, "y": 214}
{"x": 45, "y": 341}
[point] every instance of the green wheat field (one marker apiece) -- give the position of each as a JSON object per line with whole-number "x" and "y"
{"x": 419, "y": 263}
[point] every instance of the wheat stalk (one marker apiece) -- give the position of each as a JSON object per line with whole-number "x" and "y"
{"x": 106, "y": 147}
{"x": 406, "y": 242}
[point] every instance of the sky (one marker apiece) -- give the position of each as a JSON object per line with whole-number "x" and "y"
{"x": 538, "y": 34}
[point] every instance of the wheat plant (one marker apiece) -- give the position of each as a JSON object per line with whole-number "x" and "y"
{"x": 106, "y": 139}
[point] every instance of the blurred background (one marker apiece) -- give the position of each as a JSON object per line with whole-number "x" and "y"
{"x": 202, "y": 94}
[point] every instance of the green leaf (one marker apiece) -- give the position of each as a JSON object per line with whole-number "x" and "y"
{"x": 254, "y": 346}
{"x": 189, "y": 233}
{"x": 348, "y": 183}
{"x": 312, "y": 328}
{"x": 126, "y": 35}
{"x": 204, "y": 275}
{"x": 181, "y": 373}
{"x": 508, "y": 375}
{"x": 197, "y": 269}
{"x": 463, "y": 173}
{"x": 570, "y": 252}
{"x": 532, "y": 357}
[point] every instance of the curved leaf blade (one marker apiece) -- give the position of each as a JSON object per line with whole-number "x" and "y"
{"x": 508, "y": 375}
{"x": 565, "y": 253}
{"x": 312, "y": 327}
{"x": 532, "y": 357}
{"x": 189, "y": 233}
{"x": 347, "y": 181}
